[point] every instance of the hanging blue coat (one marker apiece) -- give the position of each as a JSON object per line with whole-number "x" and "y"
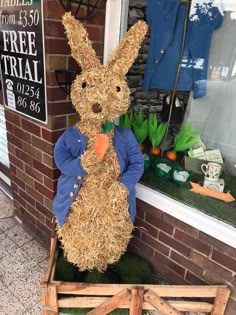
{"x": 166, "y": 21}
{"x": 68, "y": 149}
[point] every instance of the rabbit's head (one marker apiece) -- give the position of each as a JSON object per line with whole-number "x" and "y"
{"x": 100, "y": 93}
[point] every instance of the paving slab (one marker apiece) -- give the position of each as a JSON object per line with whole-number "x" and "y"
{"x": 7, "y": 223}
{"x": 19, "y": 235}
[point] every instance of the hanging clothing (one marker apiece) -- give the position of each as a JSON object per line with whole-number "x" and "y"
{"x": 166, "y": 20}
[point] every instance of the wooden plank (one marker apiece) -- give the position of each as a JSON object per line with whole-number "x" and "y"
{"x": 136, "y": 303}
{"x": 220, "y": 302}
{"x": 44, "y": 298}
{"x": 52, "y": 259}
{"x": 53, "y": 269}
{"x": 161, "y": 305}
{"x": 190, "y": 306}
{"x": 53, "y": 297}
{"x": 112, "y": 289}
{"x": 94, "y": 301}
{"x": 112, "y": 303}
{"x": 49, "y": 299}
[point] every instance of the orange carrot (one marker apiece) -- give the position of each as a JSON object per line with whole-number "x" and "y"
{"x": 101, "y": 145}
{"x": 171, "y": 155}
{"x": 155, "y": 151}
{"x": 141, "y": 147}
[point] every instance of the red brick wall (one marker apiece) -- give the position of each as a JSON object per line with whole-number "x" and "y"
{"x": 33, "y": 172}
{"x": 182, "y": 254}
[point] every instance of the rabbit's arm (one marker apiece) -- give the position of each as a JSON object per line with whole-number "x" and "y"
{"x": 135, "y": 163}
{"x": 89, "y": 160}
{"x": 65, "y": 161}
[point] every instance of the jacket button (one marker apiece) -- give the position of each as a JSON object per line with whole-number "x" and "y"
{"x": 162, "y": 51}
{"x": 156, "y": 61}
{"x": 71, "y": 194}
{"x": 79, "y": 177}
{"x": 76, "y": 186}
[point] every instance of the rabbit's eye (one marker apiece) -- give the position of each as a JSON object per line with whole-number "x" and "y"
{"x": 84, "y": 84}
{"x": 118, "y": 89}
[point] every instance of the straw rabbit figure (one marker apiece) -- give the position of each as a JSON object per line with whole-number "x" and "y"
{"x": 98, "y": 225}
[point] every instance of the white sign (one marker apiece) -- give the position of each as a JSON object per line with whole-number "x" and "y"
{"x": 4, "y": 159}
{"x": 224, "y": 71}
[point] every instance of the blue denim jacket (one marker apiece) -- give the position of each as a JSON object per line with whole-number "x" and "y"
{"x": 166, "y": 20}
{"x": 68, "y": 149}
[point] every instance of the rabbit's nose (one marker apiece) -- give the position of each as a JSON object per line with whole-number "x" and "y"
{"x": 96, "y": 108}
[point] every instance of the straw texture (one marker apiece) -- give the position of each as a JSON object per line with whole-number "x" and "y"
{"x": 98, "y": 227}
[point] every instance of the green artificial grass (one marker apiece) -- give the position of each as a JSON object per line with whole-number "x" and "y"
{"x": 130, "y": 269}
{"x": 95, "y": 276}
{"x": 133, "y": 269}
{"x": 224, "y": 211}
{"x": 65, "y": 271}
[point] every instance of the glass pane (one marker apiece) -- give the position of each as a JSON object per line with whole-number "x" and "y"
{"x": 214, "y": 115}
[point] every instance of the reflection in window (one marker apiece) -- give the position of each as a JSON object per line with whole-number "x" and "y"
{"x": 214, "y": 115}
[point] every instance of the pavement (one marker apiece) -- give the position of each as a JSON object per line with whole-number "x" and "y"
{"x": 22, "y": 261}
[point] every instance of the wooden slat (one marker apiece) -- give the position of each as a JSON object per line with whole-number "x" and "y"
{"x": 112, "y": 289}
{"x": 84, "y": 302}
{"x": 112, "y": 303}
{"x": 190, "y": 306}
{"x": 53, "y": 269}
{"x": 52, "y": 259}
{"x": 44, "y": 297}
{"x": 161, "y": 305}
{"x": 220, "y": 301}
{"x": 136, "y": 303}
{"x": 94, "y": 301}
{"x": 49, "y": 299}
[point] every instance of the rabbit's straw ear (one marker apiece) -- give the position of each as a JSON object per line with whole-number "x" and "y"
{"x": 124, "y": 55}
{"x": 81, "y": 47}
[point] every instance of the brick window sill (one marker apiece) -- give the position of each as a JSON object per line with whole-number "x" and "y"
{"x": 222, "y": 231}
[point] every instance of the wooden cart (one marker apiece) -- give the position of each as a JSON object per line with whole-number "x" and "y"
{"x": 104, "y": 298}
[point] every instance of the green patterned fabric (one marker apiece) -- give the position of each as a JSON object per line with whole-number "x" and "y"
{"x": 107, "y": 127}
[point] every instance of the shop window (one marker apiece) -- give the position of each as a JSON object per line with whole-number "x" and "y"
{"x": 213, "y": 116}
